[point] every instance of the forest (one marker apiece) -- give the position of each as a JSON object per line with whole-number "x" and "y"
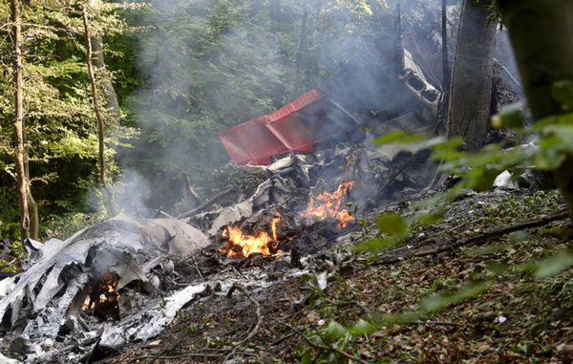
{"x": 270, "y": 181}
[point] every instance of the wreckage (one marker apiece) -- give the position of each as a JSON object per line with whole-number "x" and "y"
{"x": 84, "y": 298}
{"x": 116, "y": 282}
{"x": 73, "y": 287}
{"x": 124, "y": 280}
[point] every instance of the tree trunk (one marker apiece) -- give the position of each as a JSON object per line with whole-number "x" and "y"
{"x": 100, "y": 69}
{"x": 34, "y": 230}
{"x": 301, "y": 52}
{"x": 100, "y": 118}
{"x": 470, "y": 93}
{"x": 111, "y": 102}
{"x": 541, "y": 33}
{"x": 19, "y": 122}
{"x": 95, "y": 99}
{"x": 445, "y": 65}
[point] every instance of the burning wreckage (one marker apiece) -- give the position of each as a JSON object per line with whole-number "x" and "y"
{"x": 124, "y": 280}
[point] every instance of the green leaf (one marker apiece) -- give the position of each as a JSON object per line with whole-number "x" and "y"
{"x": 425, "y": 219}
{"x": 518, "y": 236}
{"x": 439, "y": 302}
{"x": 562, "y": 92}
{"x": 306, "y": 358}
{"x": 400, "y": 137}
{"x": 376, "y": 245}
{"x": 363, "y": 327}
{"x": 554, "y": 265}
{"x": 510, "y": 116}
{"x": 335, "y": 331}
{"x": 495, "y": 267}
{"x": 392, "y": 224}
{"x": 549, "y": 155}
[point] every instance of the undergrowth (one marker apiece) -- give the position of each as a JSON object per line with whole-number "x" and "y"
{"x": 492, "y": 291}
{"x": 476, "y": 298}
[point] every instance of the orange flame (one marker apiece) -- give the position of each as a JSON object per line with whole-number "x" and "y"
{"x": 328, "y": 206}
{"x": 104, "y": 293}
{"x": 241, "y": 245}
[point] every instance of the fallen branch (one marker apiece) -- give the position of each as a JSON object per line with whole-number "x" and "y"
{"x": 282, "y": 338}
{"x": 168, "y": 357}
{"x": 190, "y": 189}
{"x": 438, "y": 323}
{"x": 255, "y": 330}
{"x": 323, "y": 347}
{"x": 560, "y": 215}
{"x": 217, "y": 198}
{"x": 161, "y": 212}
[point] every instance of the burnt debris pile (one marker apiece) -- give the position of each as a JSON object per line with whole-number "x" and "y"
{"x": 125, "y": 279}
{"x": 318, "y": 173}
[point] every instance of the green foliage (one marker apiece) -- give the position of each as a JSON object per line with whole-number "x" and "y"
{"x": 392, "y": 224}
{"x": 60, "y": 126}
{"x": 10, "y": 217}
{"x": 207, "y": 65}
{"x": 439, "y": 302}
{"x": 477, "y": 172}
{"x": 395, "y": 229}
{"x": 510, "y": 117}
{"x": 65, "y": 225}
{"x": 554, "y": 265}
{"x": 562, "y": 93}
{"x": 10, "y": 263}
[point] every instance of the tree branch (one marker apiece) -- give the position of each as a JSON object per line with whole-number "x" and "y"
{"x": 217, "y": 198}
{"x": 541, "y": 221}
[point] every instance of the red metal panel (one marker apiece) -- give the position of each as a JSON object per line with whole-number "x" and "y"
{"x": 295, "y": 127}
{"x": 294, "y": 133}
{"x": 297, "y": 104}
{"x": 251, "y": 142}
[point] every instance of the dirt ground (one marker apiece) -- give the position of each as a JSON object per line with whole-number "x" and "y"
{"x": 437, "y": 297}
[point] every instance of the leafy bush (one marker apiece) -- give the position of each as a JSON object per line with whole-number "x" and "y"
{"x": 65, "y": 225}
{"x": 10, "y": 215}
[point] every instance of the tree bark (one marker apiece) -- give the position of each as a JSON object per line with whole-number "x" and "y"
{"x": 470, "y": 93}
{"x": 95, "y": 99}
{"x": 541, "y": 33}
{"x": 111, "y": 102}
{"x": 301, "y": 52}
{"x": 445, "y": 63}
{"x": 19, "y": 122}
{"x": 100, "y": 118}
{"x": 34, "y": 230}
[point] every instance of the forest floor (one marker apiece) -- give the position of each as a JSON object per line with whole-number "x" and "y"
{"x": 439, "y": 297}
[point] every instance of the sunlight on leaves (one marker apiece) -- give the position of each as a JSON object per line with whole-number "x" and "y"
{"x": 400, "y": 137}
{"x": 363, "y": 327}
